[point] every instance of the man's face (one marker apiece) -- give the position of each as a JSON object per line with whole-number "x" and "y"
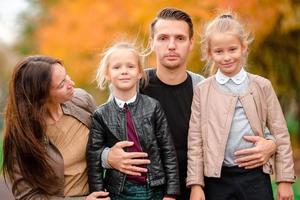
{"x": 171, "y": 43}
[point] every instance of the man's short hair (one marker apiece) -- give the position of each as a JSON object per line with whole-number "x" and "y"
{"x": 173, "y": 14}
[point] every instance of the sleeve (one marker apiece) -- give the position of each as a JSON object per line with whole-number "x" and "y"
{"x": 91, "y": 102}
{"x": 195, "y": 168}
{"x": 94, "y": 150}
{"x": 168, "y": 152}
{"x": 268, "y": 135}
{"x": 23, "y": 190}
{"x": 104, "y": 158}
{"x": 284, "y": 165}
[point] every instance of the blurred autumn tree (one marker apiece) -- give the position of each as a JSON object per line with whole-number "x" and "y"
{"x": 77, "y": 31}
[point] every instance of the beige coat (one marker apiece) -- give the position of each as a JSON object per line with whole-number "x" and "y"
{"x": 212, "y": 113}
{"x": 80, "y": 107}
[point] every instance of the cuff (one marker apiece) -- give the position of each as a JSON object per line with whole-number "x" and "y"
{"x": 104, "y": 158}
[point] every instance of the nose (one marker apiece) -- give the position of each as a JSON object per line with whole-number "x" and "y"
{"x": 124, "y": 70}
{"x": 171, "y": 44}
{"x": 70, "y": 82}
{"x": 227, "y": 57}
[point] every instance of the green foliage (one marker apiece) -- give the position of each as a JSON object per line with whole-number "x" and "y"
{"x": 296, "y": 190}
{"x": 293, "y": 125}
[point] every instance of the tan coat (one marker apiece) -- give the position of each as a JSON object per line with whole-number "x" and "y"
{"x": 211, "y": 117}
{"x": 80, "y": 107}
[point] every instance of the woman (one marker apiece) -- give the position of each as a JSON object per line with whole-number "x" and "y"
{"x": 46, "y": 130}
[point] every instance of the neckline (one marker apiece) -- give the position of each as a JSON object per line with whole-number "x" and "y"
{"x": 249, "y": 89}
{"x": 173, "y": 86}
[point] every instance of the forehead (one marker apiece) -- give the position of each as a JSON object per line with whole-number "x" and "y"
{"x": 58, "y": 74}
{"x": 171, "y": 27}
{"x": 123, "y": 55}
{"x": 224, "y": 39}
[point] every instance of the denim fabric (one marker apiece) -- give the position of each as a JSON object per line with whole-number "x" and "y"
{"x": 132, "y": 191}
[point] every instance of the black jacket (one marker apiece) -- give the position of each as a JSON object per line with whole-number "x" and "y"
{"x": 109, "y": 127}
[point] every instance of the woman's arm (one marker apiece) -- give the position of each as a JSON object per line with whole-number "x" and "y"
{"x": 23, "y": 190}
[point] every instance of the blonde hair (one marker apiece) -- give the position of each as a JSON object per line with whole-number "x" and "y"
{"x": 104, "y": 63}
{"x": 223, "y": 23}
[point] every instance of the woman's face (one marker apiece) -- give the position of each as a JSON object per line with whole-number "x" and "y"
{"x": 61, "y": 88}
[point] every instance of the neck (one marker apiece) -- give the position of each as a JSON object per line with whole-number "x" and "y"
{"x": 171, "y": 76}
{"x": 124, "y": 95}
{"x": 54, "y": 113}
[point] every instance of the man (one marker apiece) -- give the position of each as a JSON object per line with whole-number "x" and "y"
{"x": 172, "y": 85}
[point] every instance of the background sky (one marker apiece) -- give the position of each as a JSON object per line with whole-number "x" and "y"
{"x": 9, "y": 11}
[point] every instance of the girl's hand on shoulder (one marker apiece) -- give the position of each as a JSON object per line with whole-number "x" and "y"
{"x": 197, "y": 193}
{"x": 285, "y": 191}
{"x": 98, "y": 196}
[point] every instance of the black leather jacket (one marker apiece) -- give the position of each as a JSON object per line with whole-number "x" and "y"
{"x": 109, "y": 127}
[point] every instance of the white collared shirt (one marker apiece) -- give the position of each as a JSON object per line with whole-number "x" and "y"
{"x": 121, "y": 103}
{"x": 237, "y": 79}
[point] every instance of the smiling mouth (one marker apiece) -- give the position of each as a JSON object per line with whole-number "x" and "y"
{"x": 227, "y": 65}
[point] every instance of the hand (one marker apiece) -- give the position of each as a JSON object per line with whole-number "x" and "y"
{"x": 168, "y": 198}
{"x": 197, "y": 193}
{"x": 285, "y": 191}
{"x": 126, "y": 162}
{"x": 257, "y": 155}
{"x": 98, "y": 196}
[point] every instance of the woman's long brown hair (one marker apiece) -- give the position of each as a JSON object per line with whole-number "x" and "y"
{"x": 24, "y": 132}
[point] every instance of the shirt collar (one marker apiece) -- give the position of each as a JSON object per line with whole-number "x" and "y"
{"x": 237, "y": 79}
{"x": 121, "y": 103}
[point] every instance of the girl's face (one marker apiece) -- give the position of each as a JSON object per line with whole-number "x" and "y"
{"x": 123, "y": 70}
{"x": 61, "y": 89}
{"x": 227, "y": 52}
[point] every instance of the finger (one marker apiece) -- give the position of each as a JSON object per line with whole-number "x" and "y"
{"x": 100, "y": 194}
{"x": 124, "y": 144}
{"x": 107, "y": 198}
{"x": 138, "y": 161}
{"x": 247, "y": 151}
{"x": 131, "y": 155}
{"x": 136, "y": 169}
{"x": 252, "y": 138}
{"x": 253, "y": 157}
{"x": 132, "y": 173}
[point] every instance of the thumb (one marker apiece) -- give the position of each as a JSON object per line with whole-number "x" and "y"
{"x": 252, "y": 138}
{"x": 123, "y": 144}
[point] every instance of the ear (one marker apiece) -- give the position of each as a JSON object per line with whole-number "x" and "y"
{"x": 107, "y": 76}
{"x": 191, "y": 44}
{"x": 140, "y": 75}
{"x": 151, "y": 42}
{"x": 244, "y": 48}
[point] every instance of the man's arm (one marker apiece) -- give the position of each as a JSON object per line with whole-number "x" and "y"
{"x": 125, "y": 162}
{"x": 257, "y": 155}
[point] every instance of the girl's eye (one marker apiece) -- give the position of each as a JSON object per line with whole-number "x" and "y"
{"x": 233, "y": 49}
{"x": 115, "y": 67}
{"x": 131, "y": 66}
